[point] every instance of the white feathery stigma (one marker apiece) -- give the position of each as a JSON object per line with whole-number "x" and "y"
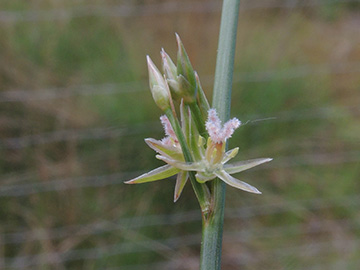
{"x": 168, "y": 130}
{"x": 217, "y": 133}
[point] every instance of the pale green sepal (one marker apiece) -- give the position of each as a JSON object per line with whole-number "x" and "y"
{"x": 244, "y": 165}
{"x": 193, "y": 166}
{"x": 161, "y": 148}
{"x": 201, "y": 146}
{"x": 160, "y": 173}
{"x": 228, "y": 179}
{"x": 201, "y": 178}
{"x": 230, "y": 154}
{"x": 181, "y": 180}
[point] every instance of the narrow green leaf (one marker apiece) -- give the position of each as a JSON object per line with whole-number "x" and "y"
{"x": 244, "y": 165}
{"x": 160, "y": 173}
{"x": 211, "y": 243}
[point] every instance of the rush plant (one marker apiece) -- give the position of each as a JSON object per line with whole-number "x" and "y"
{"x": 195, "y": 142}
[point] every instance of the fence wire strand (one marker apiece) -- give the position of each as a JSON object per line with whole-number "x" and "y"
{"x": 101, "y": 133}
{"x": 317, "y": 248}
{"x": 118, "y": 178}
{"x": 27, "y": 95}
{"x": 99, "y": 227}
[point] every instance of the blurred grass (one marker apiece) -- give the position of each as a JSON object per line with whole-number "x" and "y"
{"x": 103, "y": 50}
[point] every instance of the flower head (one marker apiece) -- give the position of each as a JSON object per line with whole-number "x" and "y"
{"x": 184, "y": 148}
{"x": 209, "y": 164}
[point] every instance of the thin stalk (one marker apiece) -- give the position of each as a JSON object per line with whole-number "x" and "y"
{"x": 210, "y": 258}
{"x": 201, "y": 190}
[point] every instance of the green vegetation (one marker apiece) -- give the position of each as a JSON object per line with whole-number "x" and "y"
{"x": 297, "y": 68}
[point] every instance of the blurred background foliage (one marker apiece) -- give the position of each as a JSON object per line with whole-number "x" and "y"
{"x": 75, "y": 108}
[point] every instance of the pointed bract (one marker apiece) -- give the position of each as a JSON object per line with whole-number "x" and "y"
{"x": 244, "y": 165}
{"x": 185, "y": 69}
{"x": 228, "y": 179}
{"x": 154, "y": 175}
{"x": 181, "y": 180}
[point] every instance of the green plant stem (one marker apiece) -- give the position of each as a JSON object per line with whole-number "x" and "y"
{"x": 201, "y": 190}
{"x": 211, "y": 244}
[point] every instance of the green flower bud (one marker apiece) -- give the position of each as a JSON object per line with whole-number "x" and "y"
{"x": 171, "y": 76}
{"x": 169, "y": 67}
{"x": 158, "y": 86}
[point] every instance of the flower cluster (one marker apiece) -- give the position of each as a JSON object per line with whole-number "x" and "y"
{"x": 211, "y": 162}
{"x": 201, "y": 133}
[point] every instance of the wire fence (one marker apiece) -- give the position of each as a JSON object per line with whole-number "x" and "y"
{"x": 295, "y": 72}
{"x": 160, "y": 246}
{"x": 103, "y": 226}
{"x": 100, "y": 133}
{"x": 174, "y": 243}
{"x": 169, "y": 248}
{"x": 318, "y": 159}
{"x": 333, "y": 112}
